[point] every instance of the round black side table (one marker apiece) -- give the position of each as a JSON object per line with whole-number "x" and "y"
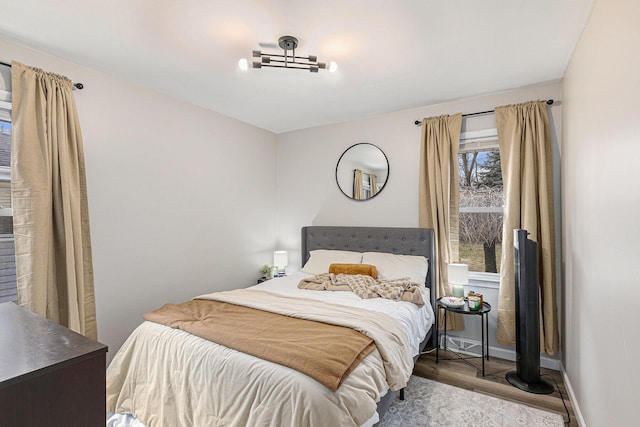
{"x": 483, "y": 312}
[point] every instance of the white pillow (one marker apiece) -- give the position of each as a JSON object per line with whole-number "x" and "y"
{"x": 392, "y": 266}
{"x": 320, "y": 260}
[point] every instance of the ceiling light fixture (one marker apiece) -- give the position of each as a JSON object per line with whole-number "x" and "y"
{"x": 289, "y": 59}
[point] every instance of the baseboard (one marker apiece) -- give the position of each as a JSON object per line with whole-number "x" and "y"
{"x": 572, "y": 397}
{"x": 545, "y": 362}
{"x": 472, "y": 348}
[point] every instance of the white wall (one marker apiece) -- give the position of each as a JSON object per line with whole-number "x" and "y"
{"x": 601, "y": 148}
{"x": 182, "y": 200}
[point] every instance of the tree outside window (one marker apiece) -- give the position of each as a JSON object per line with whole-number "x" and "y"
{"x": 481, "y": 205}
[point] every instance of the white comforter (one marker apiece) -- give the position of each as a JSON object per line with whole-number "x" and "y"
{"x": 166, "y": 377}
{"x": 415, "y": 320}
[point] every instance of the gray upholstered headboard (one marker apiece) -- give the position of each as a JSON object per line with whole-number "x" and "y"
{"x": 400, "y": 241}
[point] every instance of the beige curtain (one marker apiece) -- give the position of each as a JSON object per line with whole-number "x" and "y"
{"x": 373, "y": 185}
{"x": 525, "y": 154}
{"x": 54, "y": 267}
{"x": 358, "y": 190}
{"x": 439, "y": 195}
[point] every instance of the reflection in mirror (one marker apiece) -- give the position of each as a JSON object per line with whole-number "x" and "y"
{"x": 362, "y": 171}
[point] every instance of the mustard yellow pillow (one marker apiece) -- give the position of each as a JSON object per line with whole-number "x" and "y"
{"x": 365, "y": 269}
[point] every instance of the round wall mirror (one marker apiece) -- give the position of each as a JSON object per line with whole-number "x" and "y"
{"x": 362, "y": 171}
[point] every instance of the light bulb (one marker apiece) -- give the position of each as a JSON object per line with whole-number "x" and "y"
{"x": 243, "y": 64}
{"x": 333, "y": 67}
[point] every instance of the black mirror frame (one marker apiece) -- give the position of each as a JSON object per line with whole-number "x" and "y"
{"x": 385, "y": 182}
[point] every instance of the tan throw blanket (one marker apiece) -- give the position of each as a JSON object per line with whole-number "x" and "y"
{"x": 365, "y": 286}
{"x": 390, "y": 337}
{"x": 296, "y": 343}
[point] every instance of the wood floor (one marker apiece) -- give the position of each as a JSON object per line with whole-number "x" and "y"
{"x": 460, "y": 374}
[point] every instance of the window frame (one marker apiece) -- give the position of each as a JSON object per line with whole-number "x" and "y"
{"x": 5, "y": 176}
{"x": 480, "y": 140}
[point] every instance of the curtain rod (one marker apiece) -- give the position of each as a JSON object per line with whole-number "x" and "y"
{"x": 75, "y": 85}
{"x": 367, "y": 173}
{"x": 419, "y": 123}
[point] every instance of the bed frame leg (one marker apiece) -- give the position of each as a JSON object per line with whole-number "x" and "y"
{"x": 401, "y": 394}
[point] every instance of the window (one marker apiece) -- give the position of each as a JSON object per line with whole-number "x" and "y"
{"x": 481, "y": 201}
{"x": 366, "y": 186}
{"x": 7, "y": 249}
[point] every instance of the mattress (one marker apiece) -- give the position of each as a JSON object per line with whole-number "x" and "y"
{"x": 166, "y": 377}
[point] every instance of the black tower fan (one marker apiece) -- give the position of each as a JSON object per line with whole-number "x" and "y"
{"x": 527, "y": 374}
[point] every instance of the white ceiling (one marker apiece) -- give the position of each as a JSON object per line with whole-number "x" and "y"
{"x": 392, "y": 55}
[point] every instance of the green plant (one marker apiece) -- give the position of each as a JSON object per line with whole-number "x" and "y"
{"x": 267, "y": 270}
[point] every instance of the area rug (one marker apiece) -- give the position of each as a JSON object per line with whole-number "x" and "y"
{"x": 430, "y": 403}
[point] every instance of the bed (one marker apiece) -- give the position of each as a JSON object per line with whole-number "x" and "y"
{"x": 166, "y": 377}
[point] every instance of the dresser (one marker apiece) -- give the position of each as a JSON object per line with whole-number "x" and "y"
{"x": 49, "y": 375}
